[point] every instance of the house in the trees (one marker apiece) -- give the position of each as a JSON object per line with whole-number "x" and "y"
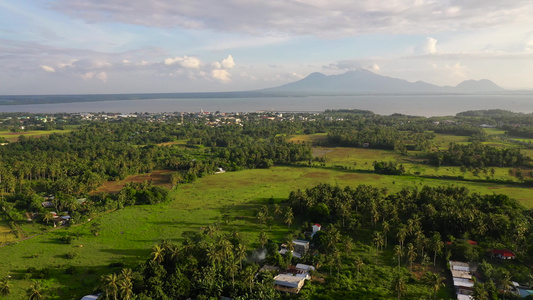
{"x": 300, "y": 248}
{"x": 288, "y": 283}
{"x": 502, "y": 254}
{"x": 316, "y": 228}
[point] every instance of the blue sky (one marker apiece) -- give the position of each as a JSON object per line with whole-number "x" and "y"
{"x": 134, "y": 46}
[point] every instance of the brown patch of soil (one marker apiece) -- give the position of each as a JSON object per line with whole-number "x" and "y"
{"x": 159, "y": 178}
{"x": 316, "y": 175}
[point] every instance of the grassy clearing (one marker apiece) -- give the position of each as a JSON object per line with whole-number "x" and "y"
{"x": 159, "y": 178}
{"x": 494, "y": 131}
{"x": 314, "y": 139}
{"x": 13, "y": 136}
{"x": 6, "y": 234}
{"x": 179, "y": 143}
{"x": 442, "y": 141}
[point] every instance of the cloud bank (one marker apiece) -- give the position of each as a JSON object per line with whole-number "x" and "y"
{"x": 297, "y": 17}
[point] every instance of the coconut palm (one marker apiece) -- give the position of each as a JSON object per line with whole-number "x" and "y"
{"x": 289, "y": 217}
{"x": 437, "y": 245}
{"x": 263, "y": 239}
{"x": 240, "y": 251}
{"x": 398, "y": 285}
{"x": 158, "y": 254}
{"x": 125, "y": 287}
{"x": 411, "y": 255}
{"x": 232, "y": 269}
{"x": 435, "y": 281}
{"x": 5, "y": 287}
{"x": 249, "y": 275}
{"x": 110, "y": 285}
{"x": 398, "y": 252}
{"x": 358, "y": 265}
{"x": 35, "y": 292}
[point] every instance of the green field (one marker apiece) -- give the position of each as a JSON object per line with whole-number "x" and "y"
{"x": 231, "y": 199}
{"x": 13, "y": 136}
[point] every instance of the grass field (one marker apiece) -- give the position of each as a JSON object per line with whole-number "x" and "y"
{"x": 231, "y": 199}
{"x": 13, "y": 136}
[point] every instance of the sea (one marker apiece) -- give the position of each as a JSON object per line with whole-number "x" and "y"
{"x": 419, "y": 105}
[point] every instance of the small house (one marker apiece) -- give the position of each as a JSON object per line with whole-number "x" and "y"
{"x": 502, "y": 253}
{"x": 301, "y": 246}
{"x": 316, "y": 228}
{"x": 288, "y": 283}
{"x": 47, "y": 204}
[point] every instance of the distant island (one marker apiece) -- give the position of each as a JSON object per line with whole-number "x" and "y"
{"x": 359, "y": 82}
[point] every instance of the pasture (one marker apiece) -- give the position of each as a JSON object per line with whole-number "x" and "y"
{"x": 231, "y": 199}
{"x": 13, "y": 136}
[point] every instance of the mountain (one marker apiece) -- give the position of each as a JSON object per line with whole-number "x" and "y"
{"x": 367, "y": 82}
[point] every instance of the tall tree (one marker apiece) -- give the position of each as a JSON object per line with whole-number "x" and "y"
{"x": 289, "y": 217}
{"x": 35, "y": 291}
{"x": 5, "y": 287}
{"x": 435, "y": 281}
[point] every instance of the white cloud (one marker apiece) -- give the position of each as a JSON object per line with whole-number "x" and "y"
{"x": 188, "y": 62}
{"x": 88, "y": 75}
{"x": 216, "y": 65}
{"x": 47, "y": 68}
{"x": 228, "y": 62}
{"x": 429, "y": 46}
{"x": 102, "y": 76}
{"x": 222, "y": 75}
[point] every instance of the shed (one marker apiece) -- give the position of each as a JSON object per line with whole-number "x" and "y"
{"x": 301, "y": 246}
{"x": 288, "y": 283}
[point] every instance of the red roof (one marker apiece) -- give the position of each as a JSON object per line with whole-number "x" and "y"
{"x": 503, "y": 252}
{"x": 316, "y": 224}
{"x": 472, "y": 242}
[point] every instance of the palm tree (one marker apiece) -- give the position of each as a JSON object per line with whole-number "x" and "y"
{"x": 5, "y": 287}
{"x": 437, "y": 245}
{"x": 289, "y": 217}
{"x": 48, "y": 217}
{"x": 35, "y": 292}
{"x": 232, "y": 268}
{"x": 402, "y": 233}
{"x": 158, "y": 254}
{"x": 110, "y": 285}
{"x": 386, "y": 228}
{"x": 263, "y": 239}
{"x": 411, "y": 255}
{"x": 378, "y": 240}
{"x": 358, "y": 265}
{"x": 125, "y": 287}
{"x": 435, "y": 281}
{"x": 399, "y": 285}
{"x": 398, "y": 252}
{"x": 240, "y": 251}
{"x": 213, "y": 254}
{"x": 249, "y": 275}
{"x": 277, "y": 209}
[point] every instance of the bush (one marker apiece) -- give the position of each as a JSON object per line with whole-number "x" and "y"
{"x": 71, "y": 255}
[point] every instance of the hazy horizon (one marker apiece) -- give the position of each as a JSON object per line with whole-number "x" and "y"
{"x": 163, "y": 46}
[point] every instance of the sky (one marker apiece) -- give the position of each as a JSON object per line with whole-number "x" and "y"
{"x": 140, "y": 46}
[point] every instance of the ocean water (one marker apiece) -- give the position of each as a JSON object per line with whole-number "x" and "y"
{"x": 421, "y": 105}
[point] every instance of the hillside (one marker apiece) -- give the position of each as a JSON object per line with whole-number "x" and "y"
{"x": 367, "y": 82}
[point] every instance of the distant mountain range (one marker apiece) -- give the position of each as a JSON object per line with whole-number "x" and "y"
{"x": 367, "y": 82}
{"x": 360, "y": 82}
